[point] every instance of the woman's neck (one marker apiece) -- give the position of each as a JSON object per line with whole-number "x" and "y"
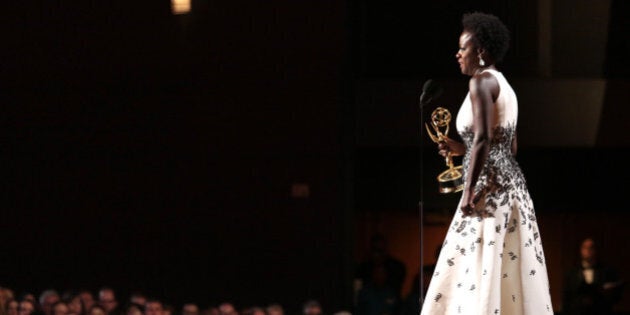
{"x": 482, "y": 69}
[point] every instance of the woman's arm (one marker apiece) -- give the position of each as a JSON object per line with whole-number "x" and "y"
{"x": 514, "y": 145}
{"x": 483, "y": 91}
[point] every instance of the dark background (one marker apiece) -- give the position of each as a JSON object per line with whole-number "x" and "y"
{"x": 144, "y": 150}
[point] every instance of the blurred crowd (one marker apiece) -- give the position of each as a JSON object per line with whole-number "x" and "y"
{"x": 106, "y": 302}
{"x": 591, "y": 288}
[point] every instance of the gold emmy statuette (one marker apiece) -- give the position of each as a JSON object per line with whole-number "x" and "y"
{"x": 450, "y": 180}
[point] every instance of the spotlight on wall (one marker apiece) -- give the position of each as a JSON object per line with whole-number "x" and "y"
{"x": 180, "y": 6}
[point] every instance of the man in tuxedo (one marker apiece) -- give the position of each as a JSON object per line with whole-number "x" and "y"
{"x": 591, "y": 288}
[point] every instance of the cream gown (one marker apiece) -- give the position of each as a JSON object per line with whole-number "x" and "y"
{"x": 492, "y": 262}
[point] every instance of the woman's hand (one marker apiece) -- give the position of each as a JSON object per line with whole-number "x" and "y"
{"x": 467, "y": 208}
{"x": 452, "y": 146}
{"x": 469, "y": 199}
{"x": 468, "y": 204}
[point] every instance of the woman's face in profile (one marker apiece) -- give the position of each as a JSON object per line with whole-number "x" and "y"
{"x": 466, "y": 54}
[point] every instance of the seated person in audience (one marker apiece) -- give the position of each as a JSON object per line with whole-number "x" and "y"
{"x": 60, "y": 308}
{"x": 47, "y": 299}
{"x": 190, "y": 309}
{"x": 312, "y": 307}
{"x": 26, "y": 307}
{"x": 153, "y": 307}
{"x": 12, "y": 307}
{"x": 591, "y": 287}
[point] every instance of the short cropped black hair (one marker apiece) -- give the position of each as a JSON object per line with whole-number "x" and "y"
{"x": 488, "y": 33}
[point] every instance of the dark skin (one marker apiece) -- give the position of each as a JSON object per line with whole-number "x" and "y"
{"x": 484, "y": 90}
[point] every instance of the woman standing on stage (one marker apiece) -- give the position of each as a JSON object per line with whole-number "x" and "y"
{"x": 492, "y": 260}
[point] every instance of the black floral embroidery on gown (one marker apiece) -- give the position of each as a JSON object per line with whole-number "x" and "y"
{"x": 501, "y": 178}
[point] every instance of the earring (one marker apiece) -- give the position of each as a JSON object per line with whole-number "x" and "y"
{"x": 481, "y": 62}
